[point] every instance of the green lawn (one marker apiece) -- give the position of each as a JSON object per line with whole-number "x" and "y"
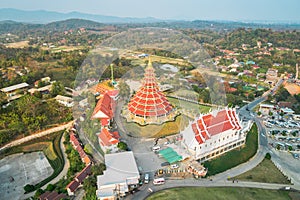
{"x": 219, "y": 193}
{"x": 189, "y": 106}
{"x": 156, "y": 131}
{"x": 264, "y": 172}
{"x": 235, "y": 157}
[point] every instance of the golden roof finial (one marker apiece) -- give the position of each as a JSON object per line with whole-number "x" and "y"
{"x": 149, "y": 62}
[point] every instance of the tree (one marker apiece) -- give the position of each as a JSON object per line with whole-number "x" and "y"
{"x": 88, "y": 148}
{"x": 3, "y": 98}
{"x": 268, "y": 156}
{"x": 38, "y": 192}
{"x": 28, "y": 188}
{"x": 98, "y": 169}
{"x": 57, "y": 89}
{"x": 50, "y": 187}
{"x": 122, "y": 146}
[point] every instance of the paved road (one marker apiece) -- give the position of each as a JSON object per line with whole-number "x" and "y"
{"x": 37, "y": 135}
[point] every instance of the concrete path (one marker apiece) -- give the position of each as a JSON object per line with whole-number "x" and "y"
{"x": 37, "y": 135}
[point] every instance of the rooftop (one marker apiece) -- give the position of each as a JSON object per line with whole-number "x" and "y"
{"x": 14, "y": 87}
{"x": 215, "y": 123}
{"x": 120, "y": 168}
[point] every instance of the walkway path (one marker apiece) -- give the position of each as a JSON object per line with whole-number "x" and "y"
{"x": 37, "y": 135}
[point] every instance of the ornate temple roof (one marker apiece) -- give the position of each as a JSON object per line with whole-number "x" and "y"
{"x": 208, "y": 125}
{"x": 149, "y": 101}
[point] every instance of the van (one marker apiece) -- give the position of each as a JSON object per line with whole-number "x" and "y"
{"x": 146, "y": 180}
{"x": 158, "y": 181}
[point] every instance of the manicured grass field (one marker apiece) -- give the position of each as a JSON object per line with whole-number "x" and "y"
{"x": 265, "y": 172}
{"x": 235, "y": 157}
{"x": 188, "y": 106}
{"x": 156, "y": 131}
{"x": 219, "y": 193}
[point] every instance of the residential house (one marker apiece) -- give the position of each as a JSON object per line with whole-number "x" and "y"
{"x": 64, "y": 100}
{"x": 108, "y": 140}
{"x": 15, "y": 91}
{"x": 78, "y": 180}
{"x": 265, "y": 109}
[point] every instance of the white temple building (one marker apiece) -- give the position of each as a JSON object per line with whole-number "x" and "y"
{"x": 213, "y": 134}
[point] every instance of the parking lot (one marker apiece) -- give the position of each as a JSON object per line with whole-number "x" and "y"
{"x": 288, "y": 164}
{"x": 20, "y": 169}
{"x": 146, "y": 159}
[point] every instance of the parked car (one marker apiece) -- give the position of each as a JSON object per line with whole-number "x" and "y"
{"x": 174, "y": 166}
{"x": 147, "y": 177}
{"x": 156, "y": 148}
{"x": 296, "y": 156}
{"x": 165, "y": 164}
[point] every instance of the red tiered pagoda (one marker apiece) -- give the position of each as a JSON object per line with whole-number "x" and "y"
{"x": 149, "y": 105}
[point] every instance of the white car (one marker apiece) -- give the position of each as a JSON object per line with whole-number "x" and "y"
{"x": 174, "y": 166}
{"x": 156, "y": 148}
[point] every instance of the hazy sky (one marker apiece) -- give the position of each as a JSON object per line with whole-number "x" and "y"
{"x": 171, "y": 9}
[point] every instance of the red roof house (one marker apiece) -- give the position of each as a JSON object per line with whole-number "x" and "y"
{"x": 107, "y": 139}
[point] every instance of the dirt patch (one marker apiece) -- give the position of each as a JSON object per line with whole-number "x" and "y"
{"x": 292, "y": 88}
{"x": 20, "y": 44}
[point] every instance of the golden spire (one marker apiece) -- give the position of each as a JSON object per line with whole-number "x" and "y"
{"x": 150, "y": 62}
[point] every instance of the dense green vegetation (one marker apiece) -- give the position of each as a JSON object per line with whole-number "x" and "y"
{"x": 30, "y": 114}
{"x": 76, "y": 165}
{"x": 235, "y": 39}
{"x": 194, "y": 193}
{"x": 283, "y": 95}
{"x": 234, "y": 157}
{"x": 90, "y": 184}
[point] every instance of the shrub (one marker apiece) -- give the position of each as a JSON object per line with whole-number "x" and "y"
{"x": 29, "y": 188}
{"x": 268, "y": 156}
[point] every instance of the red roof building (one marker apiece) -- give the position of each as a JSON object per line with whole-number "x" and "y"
{"x": 72, "y": 187}
{"x": 104, "y": 110}
{"x": 52, "y": 196}
{"x": 213, "y": 134}
{"x": 108, "y": 140}
{"x": 149, "y": 104}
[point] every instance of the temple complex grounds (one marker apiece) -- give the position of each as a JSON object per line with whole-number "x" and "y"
{"x": 18, "y": 170}
{"x": 188, "y": 109}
